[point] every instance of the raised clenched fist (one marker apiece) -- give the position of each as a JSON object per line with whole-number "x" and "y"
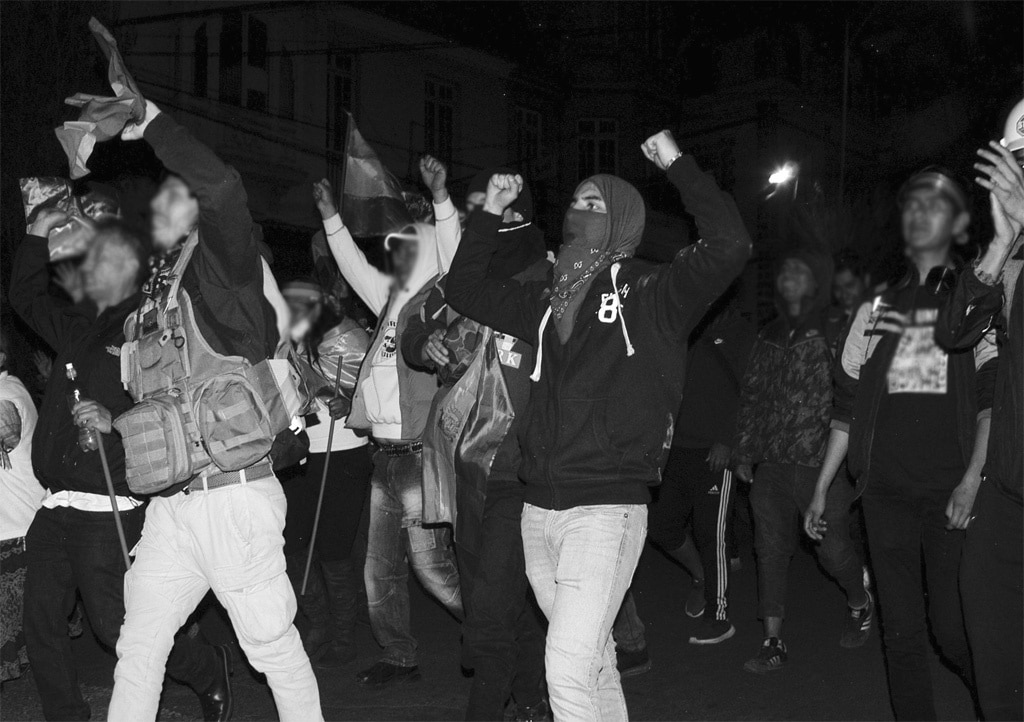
{"x": 502, "y": 191}
{"x": 323, "y": 194}
{"x": 435, "y": 177}
{"x": 661, "y": 149}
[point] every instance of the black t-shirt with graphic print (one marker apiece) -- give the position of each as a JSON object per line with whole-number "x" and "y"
{"x": 916, "y": 443}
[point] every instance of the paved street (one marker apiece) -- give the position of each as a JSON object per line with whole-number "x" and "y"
{"x": 822, "y": 681}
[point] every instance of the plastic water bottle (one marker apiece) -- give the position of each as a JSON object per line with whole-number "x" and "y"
{"x": 88, "y": 439}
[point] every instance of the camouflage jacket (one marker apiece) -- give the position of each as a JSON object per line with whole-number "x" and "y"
{"x": 786, "y": 396}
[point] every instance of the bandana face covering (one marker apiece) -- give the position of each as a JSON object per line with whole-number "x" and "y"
{"x": 584, "y": 253}
{"x": 592, "y": 242}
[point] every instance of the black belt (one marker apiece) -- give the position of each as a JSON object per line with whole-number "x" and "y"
{"x": 401, "y": 449}
{"x": 209, "y": 482}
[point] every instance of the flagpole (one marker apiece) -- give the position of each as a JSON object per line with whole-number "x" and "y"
{"x": 323, "y": 485}
{"x": 113, "y": 501}
{"x": 350, "y": 124}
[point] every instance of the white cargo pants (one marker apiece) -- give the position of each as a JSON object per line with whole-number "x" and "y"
{"x": 229, "y": 540}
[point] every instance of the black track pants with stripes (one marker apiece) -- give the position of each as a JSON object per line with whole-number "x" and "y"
{"x": 693, "y": 497}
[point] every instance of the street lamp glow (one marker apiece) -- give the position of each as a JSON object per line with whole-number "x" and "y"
{"x": 783, "y": 175}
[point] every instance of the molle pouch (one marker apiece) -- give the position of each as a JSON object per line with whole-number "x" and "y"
{"x": 233, "y": 421}
{"x": 154, "y": 363}
{"x": 161, "y": 445}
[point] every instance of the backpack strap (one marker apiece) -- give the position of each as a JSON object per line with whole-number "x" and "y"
{"x": 179, "y": 271}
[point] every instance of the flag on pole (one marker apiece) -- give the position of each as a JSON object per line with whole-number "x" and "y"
{"x": 372, "y": 202}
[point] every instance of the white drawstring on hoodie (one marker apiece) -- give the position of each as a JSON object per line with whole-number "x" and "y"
{"x": 535, "y": 376}
{"x": 618, "y": 306}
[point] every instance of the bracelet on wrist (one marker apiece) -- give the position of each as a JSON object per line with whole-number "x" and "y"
{"x": 676, "y": 157}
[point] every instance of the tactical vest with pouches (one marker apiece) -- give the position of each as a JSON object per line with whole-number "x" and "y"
{"x": 197, "y": 412}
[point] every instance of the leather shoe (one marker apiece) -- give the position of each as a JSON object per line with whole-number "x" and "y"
{"x": 384, "y": 673}
{"x": 217, "y": 701}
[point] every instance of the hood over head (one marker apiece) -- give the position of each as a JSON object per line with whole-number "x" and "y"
{"x": 591, "y": 242}
{"x": 821, "y": 266}
{"x": 426, "y": 266}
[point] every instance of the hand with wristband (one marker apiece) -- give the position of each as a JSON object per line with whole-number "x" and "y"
{"x": 661, "y": 149}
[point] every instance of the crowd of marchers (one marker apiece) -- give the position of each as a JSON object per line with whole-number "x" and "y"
{"x": 519, "y": 425}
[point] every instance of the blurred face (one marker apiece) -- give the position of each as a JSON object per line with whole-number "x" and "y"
{"x": 109, "y": 272}
{"x": 304, "y": 316}
{"x": 475, "y": 200}
{"x": 304, "y": 311}
{"x": 175, "y": 213}
{"x": 403, "y": 258}
{"x": 588, "y": 198}
{"x": 848, "y": 288}
{"x": 929, "y": 221}
{"x": 796, "y": 281}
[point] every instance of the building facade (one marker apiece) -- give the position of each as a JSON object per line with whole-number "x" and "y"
{"x": 269, "y": 87}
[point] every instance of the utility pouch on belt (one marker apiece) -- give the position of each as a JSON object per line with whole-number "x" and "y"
{"x": 161, "y": 444}
{"x": 197, "y": 410}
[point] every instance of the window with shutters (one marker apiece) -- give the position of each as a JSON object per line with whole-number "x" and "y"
{"x": 200, "y": 61}
{"x": 340, "y": 94}
{"x": 597, "y": 146}
{"x": 286, "y": 101}
{"x": 439, "y": 119}
{"x": 526, "y": 136}
{"x": 257, "y": 51}
{"x": 230, "y": 53}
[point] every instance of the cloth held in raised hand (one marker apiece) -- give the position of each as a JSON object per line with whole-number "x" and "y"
{"x": 102, "y": 117}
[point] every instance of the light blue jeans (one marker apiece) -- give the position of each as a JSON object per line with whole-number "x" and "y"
{"x": 580, "y": 562}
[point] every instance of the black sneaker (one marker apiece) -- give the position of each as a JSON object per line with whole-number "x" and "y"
{"x": 771, "y": 657}
{"x": 713, "y": 631}
{"x": 633, "y": 663}
{"x": 385, "y": 673}
{"x": 857, "y": 627}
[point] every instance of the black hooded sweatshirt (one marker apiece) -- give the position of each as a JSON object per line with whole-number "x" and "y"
{"x": 600, "y": 420}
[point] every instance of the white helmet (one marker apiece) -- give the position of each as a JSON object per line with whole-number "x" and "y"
{"x": 1013, "y": 132}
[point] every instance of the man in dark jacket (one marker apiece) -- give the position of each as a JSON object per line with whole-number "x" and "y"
{"x": 697, "y": 490}
{"x": 914, "y": 418}
{"x": 219, "y": 531}
{"x": 503, "y": 638}
{"x": 73, "y": 541}
{"x": 782, "y": 427}
{"x": 608, "y": 381}
{"x": 991, "y": 577}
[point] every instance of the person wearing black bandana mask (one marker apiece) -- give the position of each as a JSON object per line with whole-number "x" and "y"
{"x": 607, "y": 383}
